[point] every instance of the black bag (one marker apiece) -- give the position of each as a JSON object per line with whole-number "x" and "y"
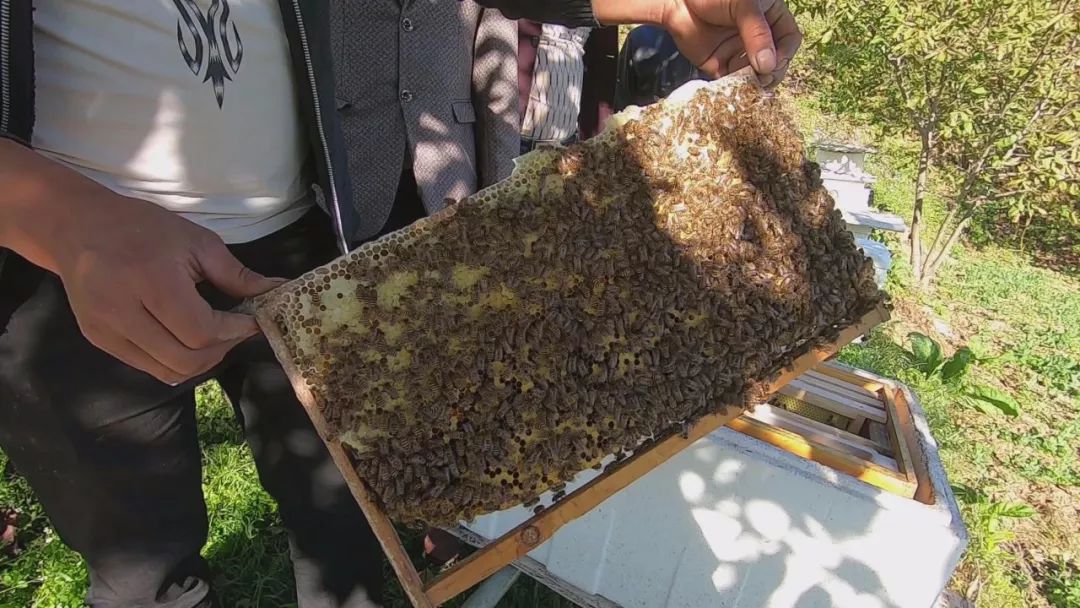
{"x": 651, "y": 67}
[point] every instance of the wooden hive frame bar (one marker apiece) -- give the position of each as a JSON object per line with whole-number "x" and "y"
{"x": 526, "y": 537}
{"x": 838, "y": 390}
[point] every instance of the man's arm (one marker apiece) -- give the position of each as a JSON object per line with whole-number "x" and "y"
{"x": 718, "y": 36}
{"x": 129, "y": 267}
{"x": 571, "y": 13}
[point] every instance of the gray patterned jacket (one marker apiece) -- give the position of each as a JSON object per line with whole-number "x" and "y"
{"x": 431, "y": 79}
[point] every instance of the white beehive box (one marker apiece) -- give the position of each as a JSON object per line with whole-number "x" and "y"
{"x": 735, "y": 522}
{"x": 843, "y": 171}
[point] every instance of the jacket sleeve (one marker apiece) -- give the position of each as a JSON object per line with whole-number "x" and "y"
{"x": 571, "y": 13}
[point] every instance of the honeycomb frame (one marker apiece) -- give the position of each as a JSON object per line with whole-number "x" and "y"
{"x": 711, "y": 193}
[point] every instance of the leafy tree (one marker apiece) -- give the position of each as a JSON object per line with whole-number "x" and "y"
{"x": 990, "y": 88}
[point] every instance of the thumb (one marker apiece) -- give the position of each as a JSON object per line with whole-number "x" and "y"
{"x": 234, "y": 328}
{"x": 756, "y": 34}
{"x": 221, "y": 269}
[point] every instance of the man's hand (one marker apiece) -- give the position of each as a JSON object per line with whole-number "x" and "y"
{"x": 723, "y": 36}
{"x": 129, "y": 267}
{"x": 718, "y": 36}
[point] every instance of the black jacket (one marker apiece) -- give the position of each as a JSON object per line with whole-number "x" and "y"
{"x": 651, "y": 68}
{"x": 307, "y": 27}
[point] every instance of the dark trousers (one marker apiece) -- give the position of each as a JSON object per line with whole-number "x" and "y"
{"x": 113, "y": 455}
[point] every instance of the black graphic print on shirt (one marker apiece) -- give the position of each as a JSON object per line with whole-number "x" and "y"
{"x": 216, "y": 56}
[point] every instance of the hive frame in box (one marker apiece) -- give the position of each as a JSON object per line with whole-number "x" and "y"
{"x": 521, "y": 540}
{"x": 848, "y": 453}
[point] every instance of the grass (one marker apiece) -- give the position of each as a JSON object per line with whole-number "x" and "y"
{"x": 1018, "y": 479}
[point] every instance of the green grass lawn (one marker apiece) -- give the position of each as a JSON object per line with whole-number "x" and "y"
{"x": 1019, "y": 478}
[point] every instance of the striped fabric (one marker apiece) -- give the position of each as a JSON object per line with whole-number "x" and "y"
{"x": 555, "y": 95}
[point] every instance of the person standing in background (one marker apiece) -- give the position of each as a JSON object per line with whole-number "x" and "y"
{"x": 427, "y": 100}
{"x": 439, "y": 84}
{"x": 436, "y": 83}
{"x": 567, "y": 80}
{"x": 551, "y": 73}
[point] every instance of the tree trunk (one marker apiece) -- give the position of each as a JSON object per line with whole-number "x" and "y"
{"x": 940, "y": 236}
{"x": 934, "y": 262}
{"x": 917, "y": 212}
{"x": 1023, "y": 232}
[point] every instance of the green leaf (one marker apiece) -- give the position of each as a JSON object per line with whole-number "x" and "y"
{"x": 967, "y": 494}
{"x": 980, "y": 405}
{"x": 926, "y": 352}
{"x": 988, "y": 398}
{"x": 958, "y": 364}
{"x": 1016, "y": 511}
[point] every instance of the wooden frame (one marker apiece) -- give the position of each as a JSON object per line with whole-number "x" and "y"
{"x": 799, "y": 435}
{"x": 905, "y": 425}
{"x": 859, "y": 461}
{"x": 902, "y": 471}
{"x": 852, "y": 391}
{"x": 831, "y": 371}
{"x": 852, "y": 401}
{"x": 530, "y": 534}
{"x": 835, "y": 402}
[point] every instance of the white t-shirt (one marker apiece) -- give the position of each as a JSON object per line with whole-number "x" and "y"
{"x": 189, "y": 104}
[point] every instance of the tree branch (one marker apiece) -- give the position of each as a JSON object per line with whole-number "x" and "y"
{"x": 1010, "y": 193}
{"x": 932, "y": 252}
{"x": 944, "y": 253}
{"x": 999, "y": 123}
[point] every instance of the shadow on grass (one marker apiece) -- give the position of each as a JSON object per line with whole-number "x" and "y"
{"x": 216, "y": 418}
{"x": 252, "y": 567}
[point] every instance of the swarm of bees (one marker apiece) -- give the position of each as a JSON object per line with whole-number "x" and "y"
{"x": 606, "y": 293}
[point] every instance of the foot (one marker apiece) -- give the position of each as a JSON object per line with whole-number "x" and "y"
{"x": 441, "y": 548}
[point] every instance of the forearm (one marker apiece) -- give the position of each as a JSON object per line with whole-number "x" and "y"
{"x": 638, "y": 12}
{"x": 576, "y": 13}
{"x": 31, "y": 213}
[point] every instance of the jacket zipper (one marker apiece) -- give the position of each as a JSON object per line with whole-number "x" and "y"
{"x": 5, "y": 65}
{"x": 335, "y": 208}
{"x": 5, "y": 85}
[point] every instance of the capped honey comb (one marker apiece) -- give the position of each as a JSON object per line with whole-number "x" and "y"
{"x": 604, "y": 294}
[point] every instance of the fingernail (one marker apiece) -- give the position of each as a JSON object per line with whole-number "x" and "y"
{"x": 765, "y": 61}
